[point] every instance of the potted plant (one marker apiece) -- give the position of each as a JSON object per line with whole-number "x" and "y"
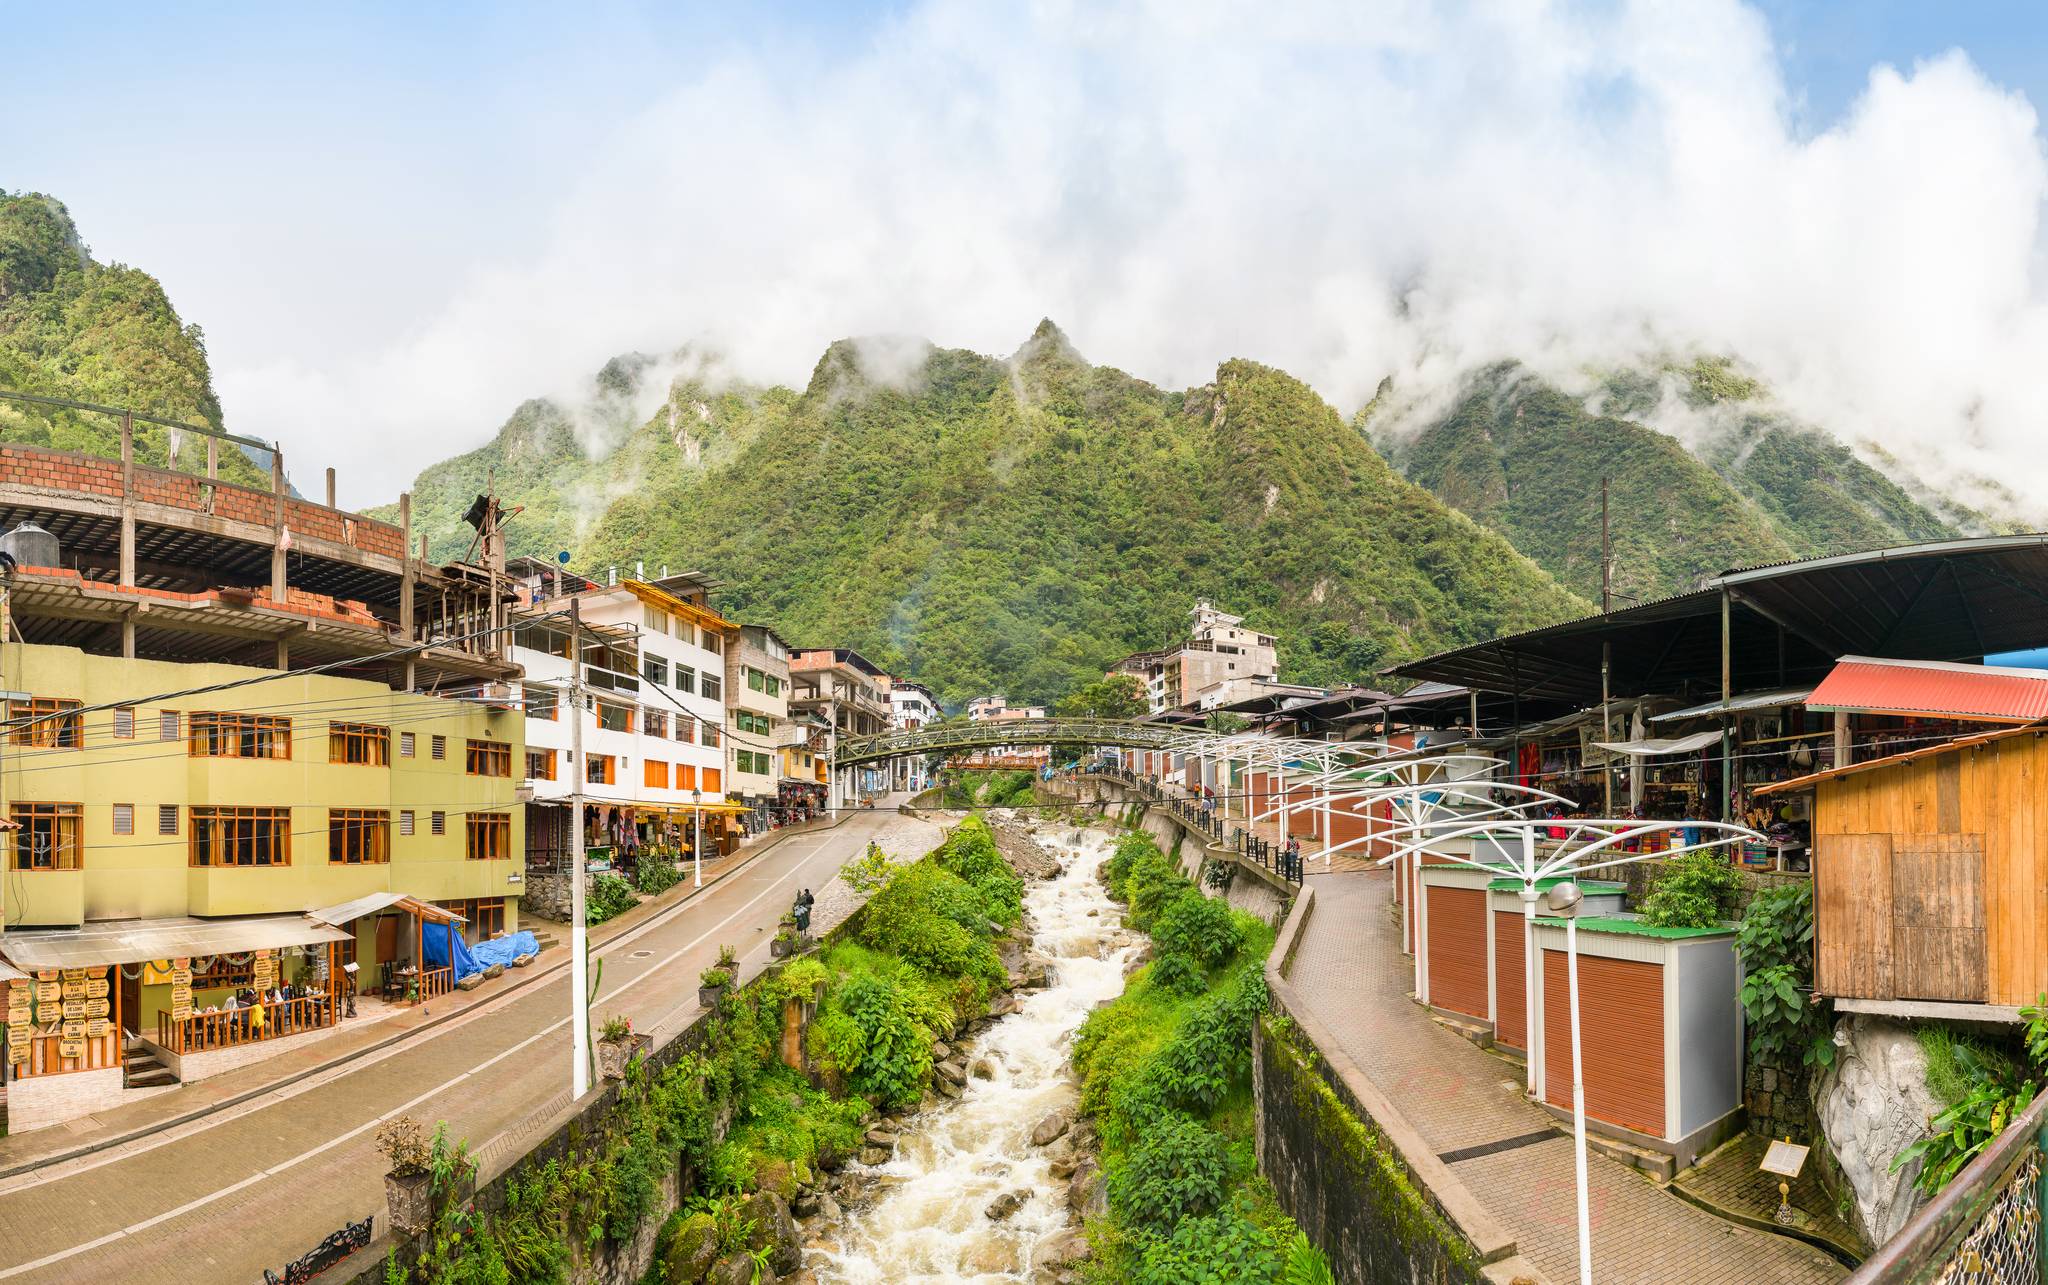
{"x": 409, "y": 1184}
{"x": 785, "y": 942}
{"x": 712, "y": 983}
{"x": 726, "y": 958}
{"x": 615, "y": 1046}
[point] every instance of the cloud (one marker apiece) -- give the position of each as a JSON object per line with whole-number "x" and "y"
{"x": 1344, "y": 191}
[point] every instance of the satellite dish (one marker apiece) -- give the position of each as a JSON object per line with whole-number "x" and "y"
{"x": 563, "y": 557}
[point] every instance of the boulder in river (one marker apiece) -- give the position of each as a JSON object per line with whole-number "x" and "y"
{"x": 1006, "y": 1204}
{"x": 1051, "y": 1127}
{"x": 692, "y": 1250}
{"x": 774, "y": 1230}
{"x": 1063, "y": 1250}
{"x": 1087, "y": 1194}
{"x": 952, "y": 1071}
{"x": 983, "y": 1069}
{"x": 739, "y": 1270}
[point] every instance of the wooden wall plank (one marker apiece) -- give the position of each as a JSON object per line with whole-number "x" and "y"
{"x": 1938, "y": 938}
{"x": 1853, "y": 915}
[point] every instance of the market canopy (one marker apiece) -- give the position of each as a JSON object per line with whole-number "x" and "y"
{"x": 1956, "y": 600}
{"x": 1652, "y": 747}
{"x": 349, "y": 911}
{"x": 9, "y": 973}
{"x": 133, "y": 941}
{"x": 1740, "y": 704}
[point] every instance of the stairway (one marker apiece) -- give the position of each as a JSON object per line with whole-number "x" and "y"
{"x": 546, "y": 939}
{"x": 140, "y": 1068}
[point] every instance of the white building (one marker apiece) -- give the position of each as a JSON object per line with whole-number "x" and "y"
{"x": 912, "y": 706}
{"x": 757, "y": 723}
{"x": 655, "y": 758}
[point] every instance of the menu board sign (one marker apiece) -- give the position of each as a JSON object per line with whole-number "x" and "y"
{"x": 71, "y": 1048}
{"x": 74, "y": 1030}
{"x": 97, "y": 988}
{"x": 74, "y": 988}
{"x": 17, "y": 1044}
{"x": 96, "y": 1027}
{"x": 97, "y": 1008}
{"x": 265, "y": 970}
{"x": 17, "y": 1004}
{"x": 74, "y": 1008}
{"x": 47, "y": 992}
{"x": 181, "y": 1000}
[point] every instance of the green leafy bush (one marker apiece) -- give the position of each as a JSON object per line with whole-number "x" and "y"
{"x": 1225, "y": 1247}
{"x": 1176, "y": 1170}
{"x": 867, "y": 872}
{"x": 1179, "y": 973}
{"x": 607, "y": 897}
{"x": 970, "y": 853}
{"x": 1696, "y": 891}
{"x": 873, "y": 1034}
{"x": 933, "y": 919}
{"x": 1202, "y": 928}
{"x": 655, "y": 873}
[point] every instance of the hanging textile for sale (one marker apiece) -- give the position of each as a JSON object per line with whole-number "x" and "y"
{"x": 1528, "y": 762}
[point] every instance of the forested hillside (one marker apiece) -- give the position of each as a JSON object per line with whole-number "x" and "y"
{"x": 1526, "y": 459}
{"x": 74, "y": 328}
{"x": 989, "y": 524}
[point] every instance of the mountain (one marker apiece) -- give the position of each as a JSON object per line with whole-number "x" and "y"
{"x": 74, "y": 328}
{"x": 1010, "y": 524}
{"x": 1732, "y": 484}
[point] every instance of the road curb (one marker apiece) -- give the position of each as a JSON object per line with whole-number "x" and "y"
{"x": 527, "y": 978}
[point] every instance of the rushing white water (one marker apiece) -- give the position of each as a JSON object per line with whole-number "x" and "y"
{"x": 929, "y": 1225}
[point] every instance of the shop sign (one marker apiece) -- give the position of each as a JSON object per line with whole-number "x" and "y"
{"x": 97, "y": 988}
{"x": 97, "y": 1027}
{"x": 17, "y": 1044}
{"x": 97, "y": 1007}
{"x": 74, "y": 988}
{"x": 71, "y": 1048}
{"x": 74, "y": 1008}
{"x": 17, "y": 1004}
{"x": 73, "y": 1031}
{"x": 264, "y": 970}
{"x": 47, "y": 993}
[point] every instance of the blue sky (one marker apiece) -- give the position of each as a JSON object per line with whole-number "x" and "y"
{"x": 351, "y": 201}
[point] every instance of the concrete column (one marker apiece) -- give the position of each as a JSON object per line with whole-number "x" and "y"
{"x": 128, "y": 637}
{"x": 127, "y": 501}
{"x": 213, "y": 457}
{"x": 277, "y": 579}
{"x": 330, "y": 488}
{"x": 284, "y": 652}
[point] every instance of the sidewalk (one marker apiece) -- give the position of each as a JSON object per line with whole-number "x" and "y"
{"x": 1513, "y": 1157}
{"x": 295, "y": 1061}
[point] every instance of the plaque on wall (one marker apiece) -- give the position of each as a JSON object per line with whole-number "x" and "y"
{"x": 17, "y": 1046}
{"x": 17, "y": 1004}
{"x": 98, "y": 1007}
{"x": 71, "y": 1048}
{"x": 73, "y": 1031}
{"x": 74, "y": 1008}
{"x": 74, "y": 988}
{"x": 48, "y": 992}
{"x": 96, "y": 1027}
{"x": 97, "y": 988}
{"x": 75, "y": 974}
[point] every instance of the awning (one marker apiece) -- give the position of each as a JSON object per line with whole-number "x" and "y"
{"x": 1738, "y": 704}
{"x": 1926, "y": 688}
{"x": 645, "y": 805}
{"x": 1651, "y": 747}
{"x": 348, "y": 911}
{"x": 132, "y": 941}
{"x": 9, "y": 973}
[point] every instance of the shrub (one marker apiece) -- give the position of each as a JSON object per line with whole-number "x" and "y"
{"x": 1179, "y": 973}
{"x": 970, "y": 853}
{"x": 1225, "y": 1247}
{"x": 867, "y": 872}
{"x": 1694, "y": 892}
{"x": 872, "y": 1034}
{"x": 607, "y": 897}
{"x": 1176, "y": 1169}
{"x": 1199, "y": 927}
{"x": 655, "y": 873}
{"x": 1213, "y": 1047}
{"x": 935, "y": 920}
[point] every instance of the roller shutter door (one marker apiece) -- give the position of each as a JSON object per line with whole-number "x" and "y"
{"x": 1457, "y": 949}
{"x": 1511, "y": 1020}
{"x": 1621, "y": 1034}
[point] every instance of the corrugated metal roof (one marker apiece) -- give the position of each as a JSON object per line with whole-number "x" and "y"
{"x": 1739, "y": 704}
{"x": 1933, "y": 688}
{"x": 132, "y": 941}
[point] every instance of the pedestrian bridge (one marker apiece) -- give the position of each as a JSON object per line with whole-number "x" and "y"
{"x": 956, "y": 738}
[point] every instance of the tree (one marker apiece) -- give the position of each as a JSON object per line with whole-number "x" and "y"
{"x": 1117, "y": 696}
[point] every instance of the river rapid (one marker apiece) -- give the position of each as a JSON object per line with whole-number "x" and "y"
{"x": 929, "y": 1220}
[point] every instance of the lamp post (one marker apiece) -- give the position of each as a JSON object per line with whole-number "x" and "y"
{"x": 1563, "y": 902}
{"x": 697, "y": 838}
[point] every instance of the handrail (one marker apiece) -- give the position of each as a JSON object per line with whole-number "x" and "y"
{"x": 1933, "y": 1236}
{"x": 138, "y": 417}
{"x": 229, "y": 1027}
{"x": 1000, "y": 732}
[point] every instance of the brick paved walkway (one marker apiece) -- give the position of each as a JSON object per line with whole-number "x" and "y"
{"x": 1350, "y": 971}
{"x": 258, "y": 1185}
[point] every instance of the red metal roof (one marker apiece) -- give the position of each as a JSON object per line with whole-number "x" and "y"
{"x": 1932, "y": 688}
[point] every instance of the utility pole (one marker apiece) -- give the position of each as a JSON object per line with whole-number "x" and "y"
{"x": 579, "y": 944}
{"x": 1606, "y": 650}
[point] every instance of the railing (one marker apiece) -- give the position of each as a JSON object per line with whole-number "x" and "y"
{"x": 1985, "y": 1226}
{"x": 230, "y": 1027}
{"x": 994, "y": 734}
{"x": 436, "y": 982}
{"x": 1282, "y": 861}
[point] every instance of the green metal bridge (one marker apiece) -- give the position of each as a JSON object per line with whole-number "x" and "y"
{"x": 957, "y": 738}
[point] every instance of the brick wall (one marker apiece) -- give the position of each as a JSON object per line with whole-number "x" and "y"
{"x": 48, "y": 470}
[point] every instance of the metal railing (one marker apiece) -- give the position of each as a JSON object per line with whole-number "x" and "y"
{"x": 1985, "y": 1226}
{"x": 1278, "y": 858}
{"x": 997, "y": 733}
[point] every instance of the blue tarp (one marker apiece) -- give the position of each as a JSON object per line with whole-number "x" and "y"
{"x": 436, "y": 940}
{"x": 503, "y": 950}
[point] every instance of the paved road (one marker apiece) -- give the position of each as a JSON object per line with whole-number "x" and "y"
{"x": 1350, "y": 971}
{"x": 255, "y": 1187}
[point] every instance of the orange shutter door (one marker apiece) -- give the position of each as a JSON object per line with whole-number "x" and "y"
{"x": 1457, "y": 949}
{"x": 1621, "y": 1039}
{"x": 1510, "y": 1023}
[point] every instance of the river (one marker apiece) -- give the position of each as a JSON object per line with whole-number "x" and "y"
{"x": 929, "y": 1223}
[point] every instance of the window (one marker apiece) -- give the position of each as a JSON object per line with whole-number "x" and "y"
{"x": 358, "y": 837}
{"x": 655, "y": 619}
{"x": 685, "y": 631}
{"x": 490, "y": 837}
{"x": 753, "y": 762}
{"x": 440, "y": 747}
{"x": 124, "y": 818}
{"x": 712, "y": 780}
{"x": 124, "y": 723}
{"x": 710, "y": 685}
{"x": 239, "y": 736}
{"x": 53, "y": 724}
{"x": 686, "y": 776}
{"x": 405, "y": 824}
{"x": 166, "y": 818}
{"x": 654, "y": 773}
{"x": 48, "y": 837}
{"x": 540, "y": 765}
{"x": 711, "y": 642}
{"x": 225, "y": 837}
{"x": 405, "y": 745}
{"x": 614, "y": 718}
{"x": 488, "y": 758}
{"x": 753, "y": 724}
{"x": 540, "y": 703}
{"x": 686, "y": 729}
{"x": 654, "y": 722}
{"x": 597, "y": 769}
{"x": 766, "y": 684}
{"x": 437, "y": 823}
{"x": 363, "y": 743}
{"x": 710, "y": 737}
{"x": 686, "y": 679}
{"x": 484, "y": 915}
{"x": 167, "y": 725}
{"x": 654, "y": 669}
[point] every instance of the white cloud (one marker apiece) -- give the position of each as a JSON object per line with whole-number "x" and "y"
{"x": 1343, "y": 192}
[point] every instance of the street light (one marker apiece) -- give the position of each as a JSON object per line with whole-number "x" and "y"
{"x": 1563, "y": 902}
{"x": 697, "y": 840}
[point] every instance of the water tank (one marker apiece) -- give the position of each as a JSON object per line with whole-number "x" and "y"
{"x": 30, "y": 546}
